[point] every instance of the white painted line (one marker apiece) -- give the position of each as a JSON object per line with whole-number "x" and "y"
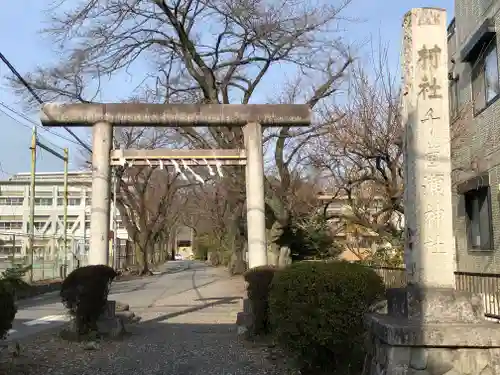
{"x": 11, "y": 331}
{"x": 47, "y": 320}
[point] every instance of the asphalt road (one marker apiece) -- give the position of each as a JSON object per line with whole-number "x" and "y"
{"x": 46, "y": 311}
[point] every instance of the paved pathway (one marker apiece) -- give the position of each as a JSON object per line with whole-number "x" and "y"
{"x": 187, "y": 328}
{"x": 46, "y": 311}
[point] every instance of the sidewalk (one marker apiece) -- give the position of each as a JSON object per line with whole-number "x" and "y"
{"x": 187, "y": 334}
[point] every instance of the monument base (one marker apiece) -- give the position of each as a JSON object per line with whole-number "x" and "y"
{"x": 431, "y": 332}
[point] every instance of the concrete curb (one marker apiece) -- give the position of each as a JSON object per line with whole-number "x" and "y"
{"x": 37, "y": 290}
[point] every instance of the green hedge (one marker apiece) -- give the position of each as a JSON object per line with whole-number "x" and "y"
{"x": 316, "y": 311}
{"x": 8, "y": 308}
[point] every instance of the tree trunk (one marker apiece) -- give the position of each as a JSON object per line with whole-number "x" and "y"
{"x": 285, "y": 257}
{"x": 276, "y": 254}
{"x": 142, "y": 255}
{"x": 272, "y": 252}
{"x": 164, "y": 247}
{"x": 237, "y": 264}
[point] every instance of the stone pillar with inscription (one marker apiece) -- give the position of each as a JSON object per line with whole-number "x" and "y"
{"x": 427, "y": 327}
{"x": 429, "y": 230}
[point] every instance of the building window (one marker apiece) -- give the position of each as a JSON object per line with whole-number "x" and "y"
{"x": 453, "y": 99}
{"x": 485, "y": 80}
{"x": 71, "y": 220}
{"x": 11, "y": 201}
{"x": 39, "y": 225}
{"x": 69, "y": 225}
{"x": 7, "y": 250}
{"x": 479, "y": 225}
{"x": 11, "y": 225}
{"x": 43, "y": 201}
{"x": 71, "y": 201}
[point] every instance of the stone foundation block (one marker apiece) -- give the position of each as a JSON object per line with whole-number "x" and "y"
{"x": 244, "y": 319}
{"x": 431, "y": 332}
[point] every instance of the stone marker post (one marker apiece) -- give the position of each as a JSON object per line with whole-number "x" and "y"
{"x": 429, "y": 230}
{"x": 429, "y": 328}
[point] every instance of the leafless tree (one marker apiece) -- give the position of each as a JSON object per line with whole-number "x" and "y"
{"x": 196, "y": 51}
{"x": 291, "y": 187}
{"x": 151, "y": 200}
{"x": 209, "y": 213}
{"x": 361, "y": 156}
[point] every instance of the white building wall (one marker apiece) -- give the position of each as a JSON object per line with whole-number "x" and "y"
{"x": 49, "y": 211}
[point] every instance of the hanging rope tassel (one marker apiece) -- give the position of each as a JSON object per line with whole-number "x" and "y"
{"x": 178, "y": 170}
{"x": 195, "y": 175}
{"x": 210, "y": 169}
{"x": 219, "y": 168}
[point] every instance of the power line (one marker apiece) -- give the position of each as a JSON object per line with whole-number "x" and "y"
{"x": 26, "y": 118}
{"x": 38, "y": 99}
{"x": 4, "y": 171}
{"x": 46, "y": 141}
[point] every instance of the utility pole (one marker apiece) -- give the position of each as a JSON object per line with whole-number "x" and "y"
{"x": 31, "y": 229}
{"x": 65, "y": 158}
{"x": 192, "y": 242}
{"x": 65, "y": 202}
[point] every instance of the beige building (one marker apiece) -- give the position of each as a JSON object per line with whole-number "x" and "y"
{"x": 358, "y": 242}
{"x": 49, "y": 212}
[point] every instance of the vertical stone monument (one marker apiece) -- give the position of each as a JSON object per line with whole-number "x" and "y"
{"x": 429, "y": 328}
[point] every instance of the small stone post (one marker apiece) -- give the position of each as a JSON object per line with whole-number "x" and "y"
{"x": 429, "y": 328}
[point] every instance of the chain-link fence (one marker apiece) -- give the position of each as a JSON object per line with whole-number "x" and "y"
{"x": 51, "y": 259}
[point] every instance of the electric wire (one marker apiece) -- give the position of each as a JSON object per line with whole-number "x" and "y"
{"x": 38, "y": 99}
{"x": 4, "y": 107}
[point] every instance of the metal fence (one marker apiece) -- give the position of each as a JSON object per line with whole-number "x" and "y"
{"x": 485, "y": 284}
{"x": 127, "y": 257}
{"x": 51, "y": 260}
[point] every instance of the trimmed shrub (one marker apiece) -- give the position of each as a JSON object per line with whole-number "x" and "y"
{"x": 8, "y": 308}
{"x": 85, "y": 293}
{"x": 259, "y": 281}
{"x": 13, "y": 279}
{"x": 316, "y": 310}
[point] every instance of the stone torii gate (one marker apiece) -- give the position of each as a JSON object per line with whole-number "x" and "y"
{"x": 102, "y": 118}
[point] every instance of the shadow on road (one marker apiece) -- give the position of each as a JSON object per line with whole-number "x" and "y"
{"x": 217, "y": 302}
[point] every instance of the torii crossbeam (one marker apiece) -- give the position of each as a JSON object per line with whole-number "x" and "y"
{"x": 102, "y": 118}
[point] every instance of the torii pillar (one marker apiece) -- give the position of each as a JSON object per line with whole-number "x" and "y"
{"x": 102, "y": 117}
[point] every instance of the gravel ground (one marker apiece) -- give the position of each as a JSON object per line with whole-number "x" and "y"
{"x": 185, "y": 335}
